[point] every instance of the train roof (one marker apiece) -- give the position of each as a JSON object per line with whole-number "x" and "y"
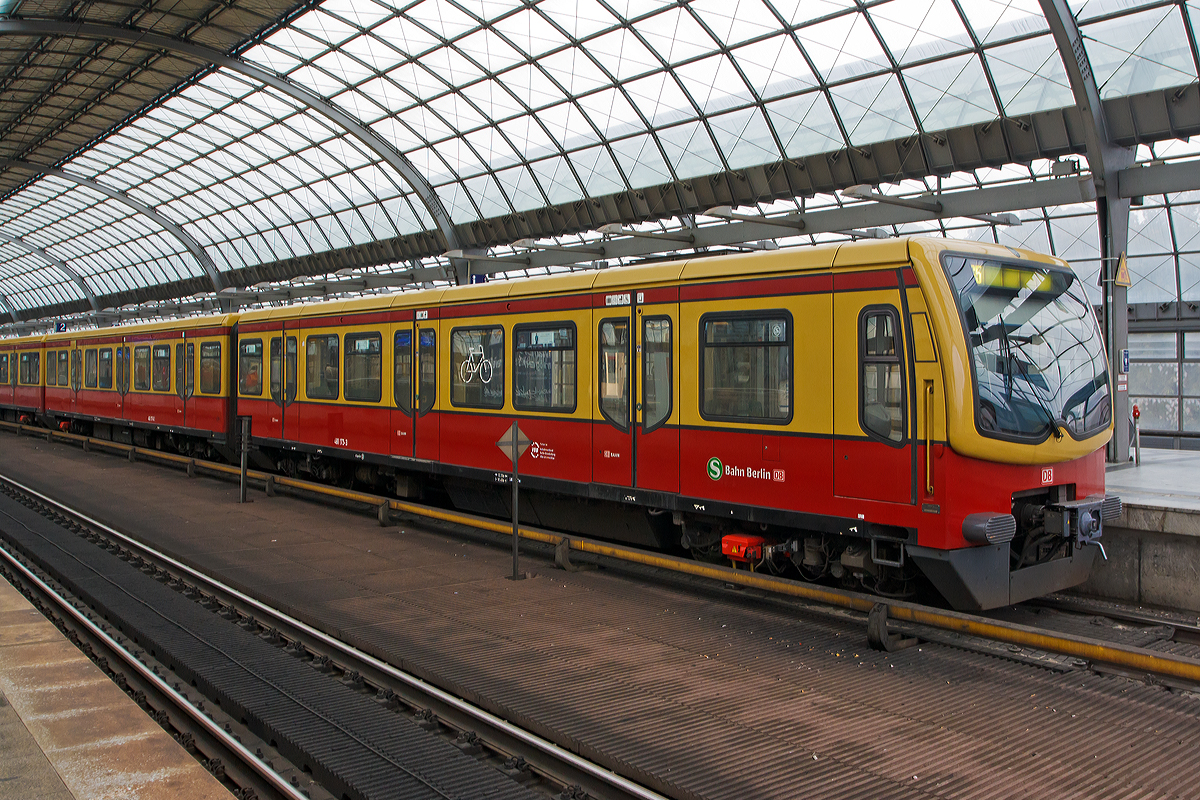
{"x": 848, "y": 255}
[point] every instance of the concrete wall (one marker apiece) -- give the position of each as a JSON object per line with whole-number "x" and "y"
{"x": 1153, "y": 558}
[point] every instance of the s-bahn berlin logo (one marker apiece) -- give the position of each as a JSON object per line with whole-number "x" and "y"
{"x": 715, "y": 468}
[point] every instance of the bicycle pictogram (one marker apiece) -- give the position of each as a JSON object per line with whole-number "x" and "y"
{"x": 475, "y": 364}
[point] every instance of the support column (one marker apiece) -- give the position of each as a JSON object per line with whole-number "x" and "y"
{"x": 1113, "y": 214}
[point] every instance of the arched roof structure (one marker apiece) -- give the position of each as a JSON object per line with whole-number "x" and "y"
{"x": 156, "y": 151}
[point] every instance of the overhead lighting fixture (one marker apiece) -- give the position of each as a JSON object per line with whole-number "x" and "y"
{"x": 793, "y": 221}
{"x": 533, "y": 244}
{"x": 466, "y": 256}
{"x": 617, "y": 229}
{"x": 862, "y": 191}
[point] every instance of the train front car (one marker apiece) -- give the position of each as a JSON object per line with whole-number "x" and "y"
{"x": 1016, "y": 502}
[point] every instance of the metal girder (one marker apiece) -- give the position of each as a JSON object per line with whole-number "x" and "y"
{"x": 10, "y": 308}
{"x": 423, "y": 189}
{"x": 1106, "y": 159}
{"x": 179, "y": 233}
{"x": 1177, "y": 176}
{"x": 967, "y": 203}
{"x": 71, "y": 274}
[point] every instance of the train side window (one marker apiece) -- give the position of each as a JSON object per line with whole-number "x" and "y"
{"x": 402, "y": 373}
{"x": 322, "y": 367}
{"x": 614, "y": 371}
{"x": 250, "y": 363}
{"x": 746, "y": 367}
{"x": 64, "y": 367}
{"x": 656, "y": 372}
{"x": 4, "y": 368}
{"x": 881, "y": 390}
{"x": 161, "y": 368}
{"x": 210, "y": 367}
{"x": 427, "y": 370}
{"x": 289, "y": 382}
{"x": 141, "y": 368}
{"x": 104, "y": 372}
{"x": 364, "y": 367}
{"x": 276, "y": 371}
{"x": 477, "y": 367}
{"x": 180, "y": 370}
{"x": 90, "y": 369}
{"x": 544, "y": 367}
{"x": 190, "y": 371}
{"x": 31, "y": 368}
{"x": 51, "y": 374}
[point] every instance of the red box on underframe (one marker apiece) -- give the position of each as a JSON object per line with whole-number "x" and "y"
{"x": 742, "y": 547}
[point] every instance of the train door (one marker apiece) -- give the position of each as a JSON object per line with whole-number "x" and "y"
{"x": 124, "y": 368}
{"x": 656, "y": 438}
{"x": 185, "y": 380}
{"x": 76, "y": 376}
{"x": 269, "y": 425}
{"x": 872, "y": 451}
{"x": 403, "y": 389}
{"x": 291, "y": 375}
{"x": 612, "y": 429}
{"x": 426, "y": 423}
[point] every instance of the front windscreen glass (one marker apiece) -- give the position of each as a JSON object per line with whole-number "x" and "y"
{"x": 1036, "y": 354}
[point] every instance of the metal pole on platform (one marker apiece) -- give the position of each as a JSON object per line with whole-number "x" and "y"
{"x": 516, "y": 535}
{"x": 245, "y": 454}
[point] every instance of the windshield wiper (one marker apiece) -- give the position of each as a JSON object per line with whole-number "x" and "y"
{"x": 1007, "y": 344}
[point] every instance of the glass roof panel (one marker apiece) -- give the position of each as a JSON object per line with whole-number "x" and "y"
{"x": 873, "y": 109}
{"x": 950, "y": 93}
{"x": 915, "y": 30}
{"x": 1029, "y": 76}
{"x": 1185, "y": 220}
{"x": 531, "y": 33}
{"x": 805, "y": 125}
{"x": 843, "y": 47}
{"x": 737, "y": 22}
{"x": 675, "y": 35}
{"x": 774, "y": 66}
{"x": 488, "y": 50}
{"x": 579, "y": 18}
{"x": 521, "y": 188}
{"x": 1149, "y": 230}
{"x": 324, "y": 27}
{"x": 1139, "y": 52}
{"x": 714, "y": 83}
{"x": 597, "y": 171}
{"x": 444, "y": 20}
{"x": 658, "y": 97}
{"x": 621, "y": 54}
{"x": 555, "y": 176}
{"x": 574, "y": 70}
{"x": 612, "y": 114}
{"x": 568, "y": 125}
{"x": 1153, "y": 279}
{"x": 362, "y": 13}
{"x": 690, "y": 150}
{"x": 744, "y": 138}
{"x": 797, "y": 12}
{"x": 1001, "y": 20}
{"x": 532, "y": 87}
{"x": 641, "y": 161}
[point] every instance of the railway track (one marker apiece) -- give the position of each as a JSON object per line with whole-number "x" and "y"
{"x": 1023, "y": 641}
{"x": 228, "y": 746}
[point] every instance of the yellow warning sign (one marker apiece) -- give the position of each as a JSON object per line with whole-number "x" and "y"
{"x": 1122, "y": 276}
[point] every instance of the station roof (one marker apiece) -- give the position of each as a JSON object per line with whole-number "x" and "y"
{"x": 157, "y": 150}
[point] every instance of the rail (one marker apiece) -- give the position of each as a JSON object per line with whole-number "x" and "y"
{"x": 540, "y": 754}
{"x": 1136, "y": 659}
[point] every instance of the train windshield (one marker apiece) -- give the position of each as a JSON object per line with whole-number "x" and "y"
{"x": 1037, "y": 357}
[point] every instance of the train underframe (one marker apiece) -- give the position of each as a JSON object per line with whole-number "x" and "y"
{"x": 1050, "y": 543}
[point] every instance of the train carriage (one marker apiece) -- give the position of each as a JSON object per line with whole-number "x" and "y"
{"x": 22, "y": 388}
{"x": 156, "y": 384}
{"x": 867, "y": 413}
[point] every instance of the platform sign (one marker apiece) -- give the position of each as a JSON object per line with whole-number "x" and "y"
{"x": 505, "y": 443}
{"x": 60, "y": 327}
{"x": 513, "y": 444}
{"x": 1122, "y": 276}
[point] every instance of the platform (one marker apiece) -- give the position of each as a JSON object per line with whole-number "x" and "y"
{"x": 68, "y": 733}
{"x": 698, "y": 692}
{"x": 1154, "y": 548}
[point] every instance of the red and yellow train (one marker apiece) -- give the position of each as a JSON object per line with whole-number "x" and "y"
{"x": 867, "y": 412}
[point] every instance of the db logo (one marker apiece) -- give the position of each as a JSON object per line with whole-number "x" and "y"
{"x": 1048, "y": 475}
